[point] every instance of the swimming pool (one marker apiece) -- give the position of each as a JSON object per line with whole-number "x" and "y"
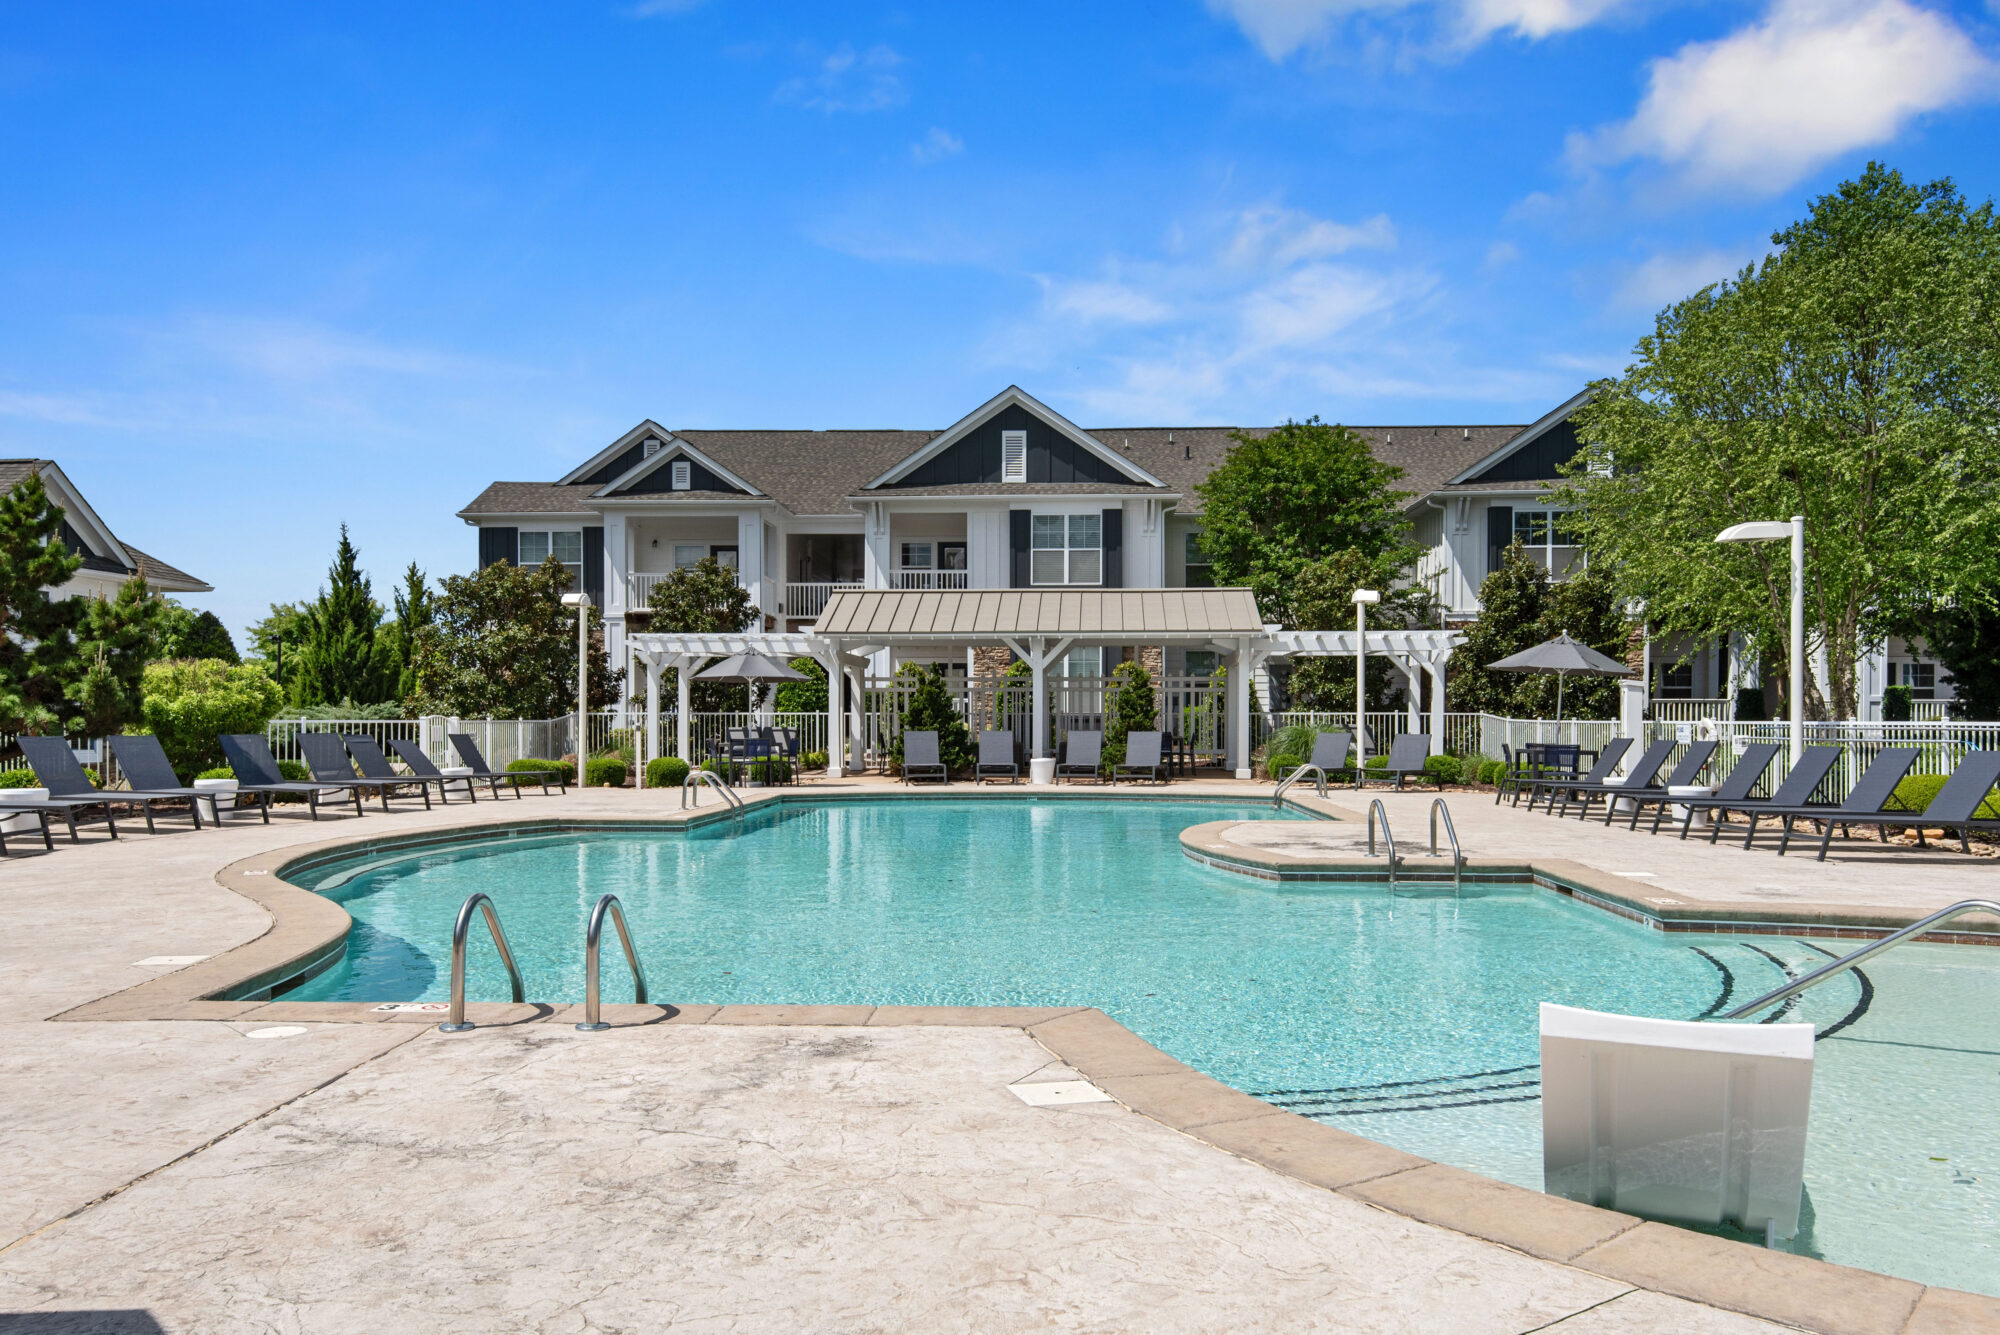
{"x": 1408, "y": 1018}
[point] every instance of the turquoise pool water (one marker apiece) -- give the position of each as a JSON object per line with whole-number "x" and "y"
{"x": 1409, "y": 1018}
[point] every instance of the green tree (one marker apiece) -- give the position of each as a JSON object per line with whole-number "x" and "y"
{"x": 185, "y": 633}
{"x": 1521, "y": 608}
{"x": 930, "y": 709}
{"x": 502, "y": 645}
{"x": 37, "y": 632}
{"x": 803, "y": 697}
{"x": 115, "y": 638}
{"x": 1302, "y": 492}
{"x": 1965, "y": 637}
{"x": 338, "y": 659}
{"x": 704, "y": 598}
{"x": 1853, "y": 378}
{"x": 1321, "y": 597}
{"x": 415, "y": 608}
{"x": 189, "y": 702}
{"x": 279, "y": 638}
{"x": 1130, "y": 708}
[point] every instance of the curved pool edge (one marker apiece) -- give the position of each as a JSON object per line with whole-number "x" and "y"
{"x": 1208, "y": 844}
{"x": 308, "y": 930}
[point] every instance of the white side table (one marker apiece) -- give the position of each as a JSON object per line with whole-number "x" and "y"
{"x": 22, "y": 824}
{"x": 1620, "y": 806}
{"x": 1042, "y": 771}
{"x": 1691, "y": 790}
{"x": 217, "y": 789}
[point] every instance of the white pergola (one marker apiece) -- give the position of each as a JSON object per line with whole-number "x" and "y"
{"x": 1040, "y": 628}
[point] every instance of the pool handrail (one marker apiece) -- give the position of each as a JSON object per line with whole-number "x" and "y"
{"x": 1457, "y": 858}
{"x": 1848, "y": 961}
{"x": 458, "y": 1024}
{"x": 1387, "y": 838}
{"x": 697, "y": 777}
{"x": 593, "y": 936}
{"x": 1278, "y": 797}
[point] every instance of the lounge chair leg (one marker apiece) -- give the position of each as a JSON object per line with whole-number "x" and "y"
{"x": 48, "y": 840}
{"x": 1785, "y": 839}
{"x": 1824, "y": 840}
{"x": 265, "y": 807}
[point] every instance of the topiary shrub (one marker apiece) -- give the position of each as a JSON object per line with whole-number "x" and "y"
{"x": 1917, "y": 791}
{"x": 1445, "y": 769}
{"x": 219, "y": 772}
{"x": 1490, "y": 769}
{"x": 1378, "y": 762}
{"x": 565, "y": 768}
{"x": 666, "y": 772}
{"x": 1750, "y": 706}
{"x": 1130, "y": 709}
{"x": 604, "y": 772}
{"x": 1896, "y": 701}
{"x": 930, "y": 710}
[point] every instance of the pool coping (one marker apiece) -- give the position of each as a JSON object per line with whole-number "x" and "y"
{"x": 307, "y": 928}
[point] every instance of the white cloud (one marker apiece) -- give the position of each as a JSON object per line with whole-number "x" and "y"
{"x": 1533, "y": 19}
{"x": 1660, "y": 280}
{"x": 849, "y": 80}
{"x": 1281, "y": 27}
{"x": 1101, "y": 301}
{"x": 1812, "y": 80}
{"x": 936, "y": 146}
{"x": 647, "y": 9}
{"x": 1501, "y": 254}
{"x": 1269, "y": 234}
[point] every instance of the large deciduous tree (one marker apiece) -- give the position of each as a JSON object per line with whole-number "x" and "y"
{"x": 1854, "y": 378}
{"x": 704, "y": 598}
{"x": 1298, "y": 494}
{"x": 1522, "y": 607}
{"x": 501, "y": 644}
{"x": 1320, "y": 596}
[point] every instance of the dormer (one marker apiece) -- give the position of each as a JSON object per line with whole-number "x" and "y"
{"x": 1013, "y": 440}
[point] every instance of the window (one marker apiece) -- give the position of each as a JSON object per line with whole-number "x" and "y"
{"x": 1546, "y": 537}
{"x": 916, "y": 556}
{"x": 566, "y": 545}
{"x": 688, "y": 554}
{"x": 1921, "y": 678}
{"x": 1084, "y": 662}
{"x": 683, "y": 478}
{"x": 1677, "y": 681}
{"x": 1013, "y": 456}
{"x": 1202, "y": 662}
{"x": 1068, "y": 549}
{"x": 951, "y": 556}
{"x": 724, "y": 556}
{"x": 1198, "y": 575}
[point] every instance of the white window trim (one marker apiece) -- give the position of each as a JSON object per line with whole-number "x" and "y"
{"x": 681, "y": 478}
{"x": 548, "y": 535}
{"x": 1068, "y": 551}
{"x": 1013, "y": 456}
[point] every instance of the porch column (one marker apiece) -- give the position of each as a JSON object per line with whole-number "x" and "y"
{"x": 1237, "y": 756}
{"x": 750, "y": 558}
{"x": 683, "y": 667}
{"x": 1037, "y": 658}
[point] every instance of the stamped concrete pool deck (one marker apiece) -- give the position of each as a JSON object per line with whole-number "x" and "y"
{"x": 273, "y": 1166}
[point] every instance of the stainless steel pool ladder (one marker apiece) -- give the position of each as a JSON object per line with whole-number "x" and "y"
{"x": 477, "y": 899}
{"x": 1457, "y": 858}
{"x": 1873, "y": 948}
{"x": 592, "y": 936}
{"x": 1278, "y": 797}
{"x": 1375, "y": 808}
{"x": 697, "y": 777}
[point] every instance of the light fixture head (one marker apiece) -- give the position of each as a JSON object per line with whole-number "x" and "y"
{"x": 1765, "y": 532}
{"x": 575, "y": 599}
{"x": 1363, "y": 596}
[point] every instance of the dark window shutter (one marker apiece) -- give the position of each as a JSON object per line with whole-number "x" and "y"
{"x": 1499, "y": 534}
{"x": 498, "y": 544}
{"x": 1114, "y": 549}
{"x": 593, "y": 565}
{"x": 1018, "y": 526}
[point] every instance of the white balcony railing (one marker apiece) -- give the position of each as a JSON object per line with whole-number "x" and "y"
{"x": 808, "y": 598}
{"x": 931, "y": 579}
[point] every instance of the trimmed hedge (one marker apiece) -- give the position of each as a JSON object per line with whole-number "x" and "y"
{"x": 566, "y": 768}
{"x": 18, "y": 778}
{"x": 1445, "y": 768}
{"x": 1917, "y": 791}
{"x": 604, "y": 772}
{"x": 666, "y": 772}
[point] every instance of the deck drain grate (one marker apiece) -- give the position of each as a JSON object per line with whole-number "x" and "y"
{"x": 1055, "y": 1093}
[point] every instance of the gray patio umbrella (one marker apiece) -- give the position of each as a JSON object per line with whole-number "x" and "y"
{"x": 1562, "y": 656}
{"x": 748, "y": 668}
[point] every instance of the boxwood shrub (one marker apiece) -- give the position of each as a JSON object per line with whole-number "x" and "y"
{"x": 666, "y": 772}
{"x": 604, "y": 772}
{"x": 565, "y": 768}
{"x": 1445, "y": 768}
{"x": 18, "y": 778}
{"x": 1917, "y": 791}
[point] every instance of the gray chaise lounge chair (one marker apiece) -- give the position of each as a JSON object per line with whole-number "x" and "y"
{"x": 327, "y": 759}
{"x": 56, "y": 768}
{"x": 1956, "y": 807}
{"x": 1083, "y": 754}
{"x": 1688, "y": 772}
{"x": 1737, "y": 787}
{"x": 1330, "y": 752}
{"x": 920, "y": 758}
{"x": 1644, "y": 770}
{"x": 1871, "y": 793}
{"x": 1407, "y": 754}
{"x": 143, "y": 762}
{"x": 1814, "y": 764}
{"x": 468, "y": 751}
{"x": 1142, "y": 756}
{"x": 420, "y": 765}
{"x": 258, "y": 775}
{"x": 374, "y": 765}
{"x": 1553, "y": 783}
{"x": 996, "y": 758}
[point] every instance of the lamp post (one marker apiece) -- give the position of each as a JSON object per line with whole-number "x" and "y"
{"x": 1796, "y": 531}
{"x": 1362, "y": 598}
{"x": 581, "y": 602}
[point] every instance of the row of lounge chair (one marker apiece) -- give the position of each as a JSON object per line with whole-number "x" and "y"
{"x": 1954, "y": 809}
{"x": 1409, "y": 754}
{"x": 331, "y": 760}
{"x": 1083, "y": 757}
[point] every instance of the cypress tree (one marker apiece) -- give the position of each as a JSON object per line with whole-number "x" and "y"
{"x": 37, "y": 632}
{"x": 337, "y": 661}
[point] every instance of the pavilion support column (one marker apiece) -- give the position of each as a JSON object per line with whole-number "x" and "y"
{"x": 1037, "y": 660}
{"x": 836, "y": 711}
{"x": 683, "y": 709}
{"x": 652, "y": 669}
{"x": 1238, "y": 756}
{"x": 857, "y": 737}
{"x": 1436, "y": 671}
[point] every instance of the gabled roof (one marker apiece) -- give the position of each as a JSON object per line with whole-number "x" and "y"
{"x": 671, "y": 447}
{"x": 1528, "y": 435}
{"x": 1014, "y": 397}
{"x": 109, "y": 554}
{"x": 617, "y": 447}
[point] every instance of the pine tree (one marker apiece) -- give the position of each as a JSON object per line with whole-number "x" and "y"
{"x": 115, "y": 637}
{"x": 337, "y": 661}
{"x": 415, "y": 609}
{"x": 37, "y": 632}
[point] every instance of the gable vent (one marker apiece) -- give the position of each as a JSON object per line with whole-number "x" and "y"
{"x": 683, "y": 474}
{"x": 652, "y": 447}
{"x": 1013, "y": 456}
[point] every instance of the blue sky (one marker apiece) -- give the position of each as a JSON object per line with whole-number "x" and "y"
{"x": 270, "y": 267}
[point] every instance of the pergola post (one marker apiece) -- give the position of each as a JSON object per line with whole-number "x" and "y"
{"x": 836, "y": 710}
{"x": 1436, "y": 671}
{"x": 683, "y": 708}
{"x": 1037, "y": 660}
{"x": 1238, "y": 757}
{"x": 651, "y": 665}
